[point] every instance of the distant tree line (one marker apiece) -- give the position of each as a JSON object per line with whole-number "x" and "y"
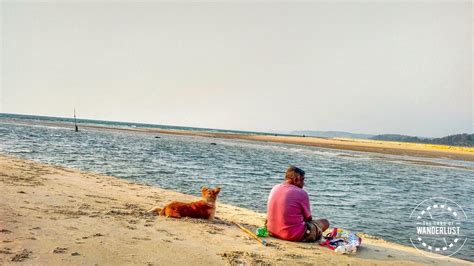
{"x": 465, "y": 140}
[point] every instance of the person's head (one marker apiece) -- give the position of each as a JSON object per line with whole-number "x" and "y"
{"x": 295, "y": 176}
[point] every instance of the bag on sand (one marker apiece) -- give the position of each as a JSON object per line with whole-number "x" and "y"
{"x": 342, "y": 241}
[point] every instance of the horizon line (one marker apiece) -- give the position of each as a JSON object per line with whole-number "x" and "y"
{"x": 227, "y": 129}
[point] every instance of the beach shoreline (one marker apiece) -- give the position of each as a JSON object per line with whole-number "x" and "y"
{"x": 358, "y": 145}
{"x": 56, "y": 215}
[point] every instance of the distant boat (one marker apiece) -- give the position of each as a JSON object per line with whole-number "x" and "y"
{"x": 75, "y": 123}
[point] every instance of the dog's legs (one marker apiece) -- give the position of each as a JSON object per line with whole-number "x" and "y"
{"x": 154, "y": 210}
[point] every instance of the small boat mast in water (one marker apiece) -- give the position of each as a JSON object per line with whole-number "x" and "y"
{"x": 75, "y": 124}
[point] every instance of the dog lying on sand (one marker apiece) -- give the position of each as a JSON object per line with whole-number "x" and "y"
{"x": 204, "y": 209}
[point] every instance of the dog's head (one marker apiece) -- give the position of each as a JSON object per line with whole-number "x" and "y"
{"x": 210, "y": 195}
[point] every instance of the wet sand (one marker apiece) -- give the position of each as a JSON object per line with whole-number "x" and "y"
{"x": 52, "y": 215}
{"x": 373, "y": 146}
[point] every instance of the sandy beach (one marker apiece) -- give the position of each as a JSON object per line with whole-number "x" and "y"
{"x": 54, "y": 215}
{"x": 361, "y": 145}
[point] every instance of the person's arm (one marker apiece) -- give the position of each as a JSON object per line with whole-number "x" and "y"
{"x": 306, "y": 208}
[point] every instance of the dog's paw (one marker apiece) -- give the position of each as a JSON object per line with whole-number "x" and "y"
{"x": 154, "y": 211}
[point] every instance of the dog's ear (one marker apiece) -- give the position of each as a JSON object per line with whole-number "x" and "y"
{"x": 217, "y": 190}
{"x": 203, "y": 189}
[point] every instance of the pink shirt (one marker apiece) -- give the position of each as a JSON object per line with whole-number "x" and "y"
{"x": 287, "y": 209}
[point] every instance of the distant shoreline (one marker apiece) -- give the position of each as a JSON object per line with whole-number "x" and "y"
{"x": 373, "y": 146}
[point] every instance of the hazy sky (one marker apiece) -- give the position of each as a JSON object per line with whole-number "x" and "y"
{"x": 391, "y": 67}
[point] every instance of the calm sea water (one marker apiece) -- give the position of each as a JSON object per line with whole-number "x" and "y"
{"x": 354, "y": 190}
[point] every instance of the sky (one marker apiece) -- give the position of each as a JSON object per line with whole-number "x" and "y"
{"x": 401, "y": 67}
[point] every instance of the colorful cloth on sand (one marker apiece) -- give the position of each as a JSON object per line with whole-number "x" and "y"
{"x": 342, "y": 241}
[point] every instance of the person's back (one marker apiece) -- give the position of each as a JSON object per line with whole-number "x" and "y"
{"x": 288, "y": 209}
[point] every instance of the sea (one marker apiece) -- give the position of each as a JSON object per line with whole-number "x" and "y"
{"x": 365, "y": 192}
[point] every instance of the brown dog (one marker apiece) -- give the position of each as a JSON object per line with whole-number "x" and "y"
{"x": 204, "y": 209}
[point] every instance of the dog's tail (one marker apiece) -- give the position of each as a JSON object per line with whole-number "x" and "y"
{"x": 156, "y": 211}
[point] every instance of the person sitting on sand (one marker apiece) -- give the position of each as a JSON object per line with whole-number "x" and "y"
{"x": 288, "y": 211}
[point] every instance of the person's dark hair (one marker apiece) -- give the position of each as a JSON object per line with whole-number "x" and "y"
{"x": 292, "y": 173}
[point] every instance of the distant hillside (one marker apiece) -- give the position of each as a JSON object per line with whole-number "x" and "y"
{"x": 331, "y": 134}
{"x": 466, "y": 140}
